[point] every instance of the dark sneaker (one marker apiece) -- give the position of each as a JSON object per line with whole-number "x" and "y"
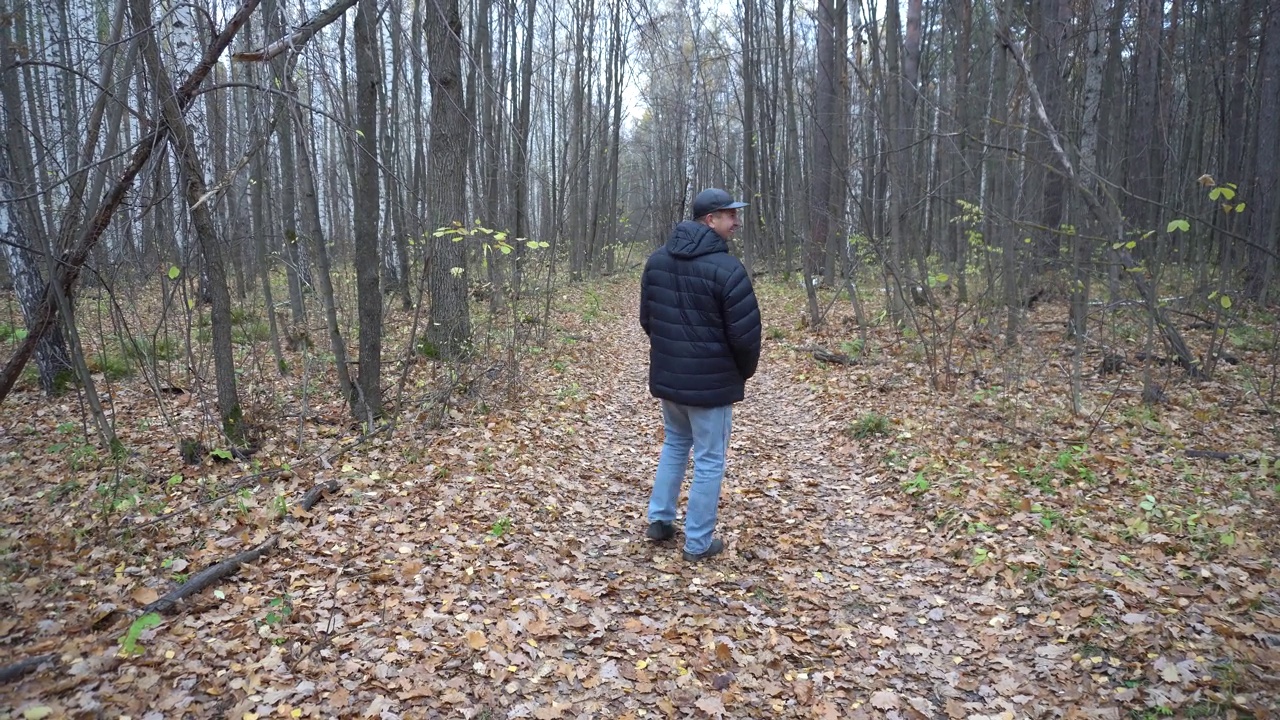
{"x": 716, "y": 547}
{"x": 660, "y": 531}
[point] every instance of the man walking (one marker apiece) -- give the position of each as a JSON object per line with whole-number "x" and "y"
{"x": 699, "y": 310}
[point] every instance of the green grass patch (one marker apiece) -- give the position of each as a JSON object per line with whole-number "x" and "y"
{"x": 250, "y": 331}
{"x": 144, "y": 348}
{"x": 870, "y": 424}
{"x": 114, "y": 365}
{"x": 12, "y": 333}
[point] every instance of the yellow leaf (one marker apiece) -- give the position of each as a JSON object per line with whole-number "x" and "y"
{"x": 1226, "y": 302}
{"x": 642, "y": 664}
{"x": 39, "y": 712}
{"x": 250, "y": 716}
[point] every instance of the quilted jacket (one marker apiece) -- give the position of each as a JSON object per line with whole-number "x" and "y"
{"x": 699, "y": 310}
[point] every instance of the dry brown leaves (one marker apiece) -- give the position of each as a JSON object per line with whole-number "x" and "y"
{"x": 981, "y": 555}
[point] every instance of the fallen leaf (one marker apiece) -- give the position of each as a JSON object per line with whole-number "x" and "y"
{"x": 723, "y": 652}
{"x": 145, "y": 595}
{"x": 711, "y": 705}
{"x": 550, "y": 712}
{"x": 885, "y": 700}
{"x": 476, "y": 640}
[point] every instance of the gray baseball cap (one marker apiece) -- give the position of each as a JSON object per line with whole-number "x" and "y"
{"x": 713, "y": 199}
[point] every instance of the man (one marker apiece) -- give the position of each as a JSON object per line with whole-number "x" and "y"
{"x": 699, "y": 310}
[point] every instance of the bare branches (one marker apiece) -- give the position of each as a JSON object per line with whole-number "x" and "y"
{"x": 1101, "y": 213}
{"x": 299, "y": 37}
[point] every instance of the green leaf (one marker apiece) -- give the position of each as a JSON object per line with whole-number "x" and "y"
{"x": 129, "y": 643}
{"x": 1179, "y": 224}
{"x": 1224, "y": 192}
{"x": 174, "y": 272}
{"x": 1240, "y": 208}
{"x": 1227, "y": 538}
{"x": 222, "y": 453}
{"x": 1131, "y": 245}
{"x": 505, "y": 248}
{"x": 1225, "y": 302}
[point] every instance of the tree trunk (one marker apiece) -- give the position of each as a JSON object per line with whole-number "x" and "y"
{"x": 449, "y": 324}
{"x": 314, "y": 232}
{"x": 520, "y": 156}
{"x": 52, "y": 357}
{"x": 1051, "y": 28}
{"x": 258, "y": 189}
{"x": 1143, "y": 170}
{"x": 1264, "y": 221}
{"x": 368, "y": 401}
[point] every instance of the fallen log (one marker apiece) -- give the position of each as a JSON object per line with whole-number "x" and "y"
{"x": 9, "y": 673}
{"x": 824, "y": 355}
{"x": 214, "y": 573}
{"x": 314, "y": 494}
{"x": 209, "y": 576}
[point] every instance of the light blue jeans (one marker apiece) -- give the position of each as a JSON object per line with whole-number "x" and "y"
{"x": 705, "y": 430}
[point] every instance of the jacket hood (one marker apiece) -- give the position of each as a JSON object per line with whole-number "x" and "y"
{"x": 692, "y": 239}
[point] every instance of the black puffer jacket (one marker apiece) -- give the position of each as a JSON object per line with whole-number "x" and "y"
{"x": 700, "y": 313}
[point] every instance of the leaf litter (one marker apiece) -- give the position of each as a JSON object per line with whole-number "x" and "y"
{"x": 979, "y": 555}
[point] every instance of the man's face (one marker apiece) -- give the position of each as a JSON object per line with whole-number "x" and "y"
{"x": 724, "y": 222}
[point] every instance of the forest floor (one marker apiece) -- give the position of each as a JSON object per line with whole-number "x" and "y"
{"x": 897, "y": 552}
